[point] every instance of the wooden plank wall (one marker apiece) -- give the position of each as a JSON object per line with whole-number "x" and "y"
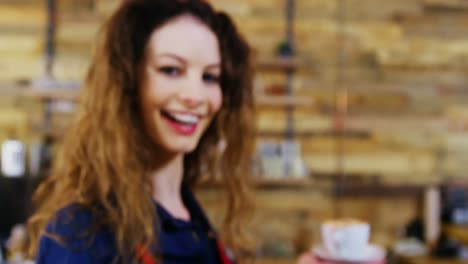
{"x": 405, "y": 68}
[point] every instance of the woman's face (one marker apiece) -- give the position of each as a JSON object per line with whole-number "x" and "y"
{"x": 180, "y": 89}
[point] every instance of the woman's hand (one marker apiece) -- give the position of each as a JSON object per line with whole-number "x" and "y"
{"x": 308, "y": 258}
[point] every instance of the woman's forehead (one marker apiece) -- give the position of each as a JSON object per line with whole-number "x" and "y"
{"x": 187, "y": 37}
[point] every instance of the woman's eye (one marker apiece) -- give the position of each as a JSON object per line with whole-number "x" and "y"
{"x": 211, "y": 78}
{"x": 170, "y": 70}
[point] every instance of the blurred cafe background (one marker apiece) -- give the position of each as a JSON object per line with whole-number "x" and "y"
{"x": 362, "y": 111}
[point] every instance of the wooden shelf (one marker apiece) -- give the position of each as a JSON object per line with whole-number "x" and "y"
{"x": 364, "y": 125}
{"x": 285, "y": 182}
{"x": 458, "y": 232}
{"x": 284, "y": 101}
{"x": 53, "y": 94}
{"x": 379, "y": 190}
{"x": 323, "y": 133}
{"x": 278, "y": 64}
{"x": 281, "y": 183}
{"x": 444, "y": 5}
{"x": 347, "y": 190}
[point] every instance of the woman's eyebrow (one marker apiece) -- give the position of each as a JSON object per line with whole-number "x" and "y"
{"x": 214, "y": 65}
{"x": 173, "y": 56}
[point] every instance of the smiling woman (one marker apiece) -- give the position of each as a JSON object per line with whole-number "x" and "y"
{"x": 180, "y": 91}
{"x": 169, "y": 83}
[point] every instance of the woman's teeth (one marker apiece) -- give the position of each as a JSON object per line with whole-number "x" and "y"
{"x": 188, "y": 119}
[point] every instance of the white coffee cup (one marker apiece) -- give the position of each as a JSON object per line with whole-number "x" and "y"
{"x": 346, "y": 239}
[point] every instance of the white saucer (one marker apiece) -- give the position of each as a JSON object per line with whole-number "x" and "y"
{"x": 371, "y": 253}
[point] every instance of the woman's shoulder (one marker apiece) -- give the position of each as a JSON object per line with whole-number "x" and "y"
{"x": 75, "y": 235}
{"x": 72, "y": 220}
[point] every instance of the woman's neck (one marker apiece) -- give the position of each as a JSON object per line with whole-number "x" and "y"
{"x": 167, "y": 182}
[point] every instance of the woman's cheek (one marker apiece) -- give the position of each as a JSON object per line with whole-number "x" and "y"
{"x": 216, "y": 99}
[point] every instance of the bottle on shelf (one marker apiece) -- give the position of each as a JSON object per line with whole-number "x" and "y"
{"x": 13, "y": 158}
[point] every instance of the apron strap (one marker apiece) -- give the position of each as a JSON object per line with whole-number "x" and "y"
{"x": 145, "y": 257}
{"x": 222, "y": 253}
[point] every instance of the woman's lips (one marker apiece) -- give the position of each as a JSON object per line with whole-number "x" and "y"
{"x": 184, "y": 124}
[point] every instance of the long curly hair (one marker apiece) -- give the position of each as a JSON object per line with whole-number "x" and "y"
{"x": 103, "y": 161}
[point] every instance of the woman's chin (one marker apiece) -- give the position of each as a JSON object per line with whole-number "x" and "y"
{"x": 182, "y": 148}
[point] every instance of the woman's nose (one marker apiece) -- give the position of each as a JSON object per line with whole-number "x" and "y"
{"x": 191, "y": 101}
{"x": 193, "y": 93}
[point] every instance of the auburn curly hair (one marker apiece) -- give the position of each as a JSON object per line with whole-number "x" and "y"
{"x": 103, "y": 161}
